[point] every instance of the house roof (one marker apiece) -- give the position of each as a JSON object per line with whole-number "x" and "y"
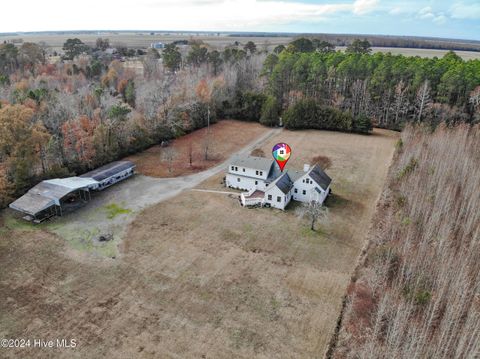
{"x": 48, "y": 193}
{"x": 295, "y": 175}
{"x": 108, "y": 170}
{"x": 32, "y": 203}
{"x": 72, "y": 183}
{"x": 320, "y": 177}
{"x": 284, "y": 183}
{"x": 257, "y": 163}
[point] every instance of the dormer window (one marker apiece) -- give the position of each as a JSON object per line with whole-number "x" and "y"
{"x": 243, "y": 169}
{"x": 261, "y": 173}
{"x": 256, "y": 172}
{"x": 236, "y": 168}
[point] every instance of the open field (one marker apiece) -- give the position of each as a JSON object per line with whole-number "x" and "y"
{"x": 225, "y": 138}
{"x": 199, "y": 276}
{"x": 466, "y": 55}
{"x": 144, "y": 39}
{"x": 214, "y": 40}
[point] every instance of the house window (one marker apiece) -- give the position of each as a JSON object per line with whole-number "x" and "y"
{"x": 256, "y": 182}
{"x": 261, "y": 173}
{"x": 269, "y": 197}
{"x": 238, "y": 179}
{"x": 243, "y": 169}
{"x": 296, "y": 190}
{"x": 236, "y": 168}
{"x": 279, "y": 199}
{"x": 303, "y": 181}
{"x": 233, "y": 168}
{"x": 304, "y": 192}
{"x": 307, "y": 181}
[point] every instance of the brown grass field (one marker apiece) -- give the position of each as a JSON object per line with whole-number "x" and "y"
{"x": 199, "y": 276}
{"x": 225, "y": 138}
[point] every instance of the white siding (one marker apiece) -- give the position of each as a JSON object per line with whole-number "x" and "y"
{"x": 305, "y": 192}
{"x": 276, "y": 194}
{"x": 241, "y": 182}
{"x": 249, "y": 172}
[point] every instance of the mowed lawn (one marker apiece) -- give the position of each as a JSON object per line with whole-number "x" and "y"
{"x": 224, "y": 138}
{"x": 198, "y": 275}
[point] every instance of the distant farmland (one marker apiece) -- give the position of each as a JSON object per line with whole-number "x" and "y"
{"x": 214, "y": 40}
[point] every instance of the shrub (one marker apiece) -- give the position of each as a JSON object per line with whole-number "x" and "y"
{"x": 247, "y": 106}
{"x": 307, "y": 113}
{"x": 362, "y": 124}
{"x": 270, "y": 112}
{"x": 399, "y": 145}
{"x": 422, "y": 297}
{"x": 409, "y": 168}
{"x": 257, "y": 152}
{"x": 323, "y": 161}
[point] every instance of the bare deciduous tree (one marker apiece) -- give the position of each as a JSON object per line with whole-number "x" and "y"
{"x": 423, "y": 99}
{"x": 314, "y": 211}
{"x": 168, "y": 155}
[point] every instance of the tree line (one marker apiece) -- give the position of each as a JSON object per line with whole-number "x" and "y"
{"x": 390, "y": 90}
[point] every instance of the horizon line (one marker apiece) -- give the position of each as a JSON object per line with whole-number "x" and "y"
{"x": 289, "y": 33}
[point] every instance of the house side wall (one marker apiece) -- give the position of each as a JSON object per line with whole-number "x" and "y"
{"x": 245, "y": 183}
{"x": 275, "y": 192}
{"x": 249, "y": 172}
{"x": 310, "y": 194}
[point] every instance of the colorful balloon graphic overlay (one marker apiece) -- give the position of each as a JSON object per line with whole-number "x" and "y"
{"x": 281, "y": 153}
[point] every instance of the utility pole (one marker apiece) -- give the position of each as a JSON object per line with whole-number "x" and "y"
{"x": 208, "y": 132}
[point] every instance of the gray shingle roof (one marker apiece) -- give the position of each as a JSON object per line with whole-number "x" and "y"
{"x": 284, "y": 183}
{"x": 295, "y": 175}
{"x": 320, "y": 177}
{"x": 257, "y": 163}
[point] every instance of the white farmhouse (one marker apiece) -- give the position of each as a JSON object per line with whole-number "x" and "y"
{"x": 267, "y": 186}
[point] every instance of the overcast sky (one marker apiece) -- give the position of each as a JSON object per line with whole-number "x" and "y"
{"x": 454, "y": 18}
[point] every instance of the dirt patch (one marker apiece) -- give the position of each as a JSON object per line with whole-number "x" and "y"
{"x": 186, "y": 154}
